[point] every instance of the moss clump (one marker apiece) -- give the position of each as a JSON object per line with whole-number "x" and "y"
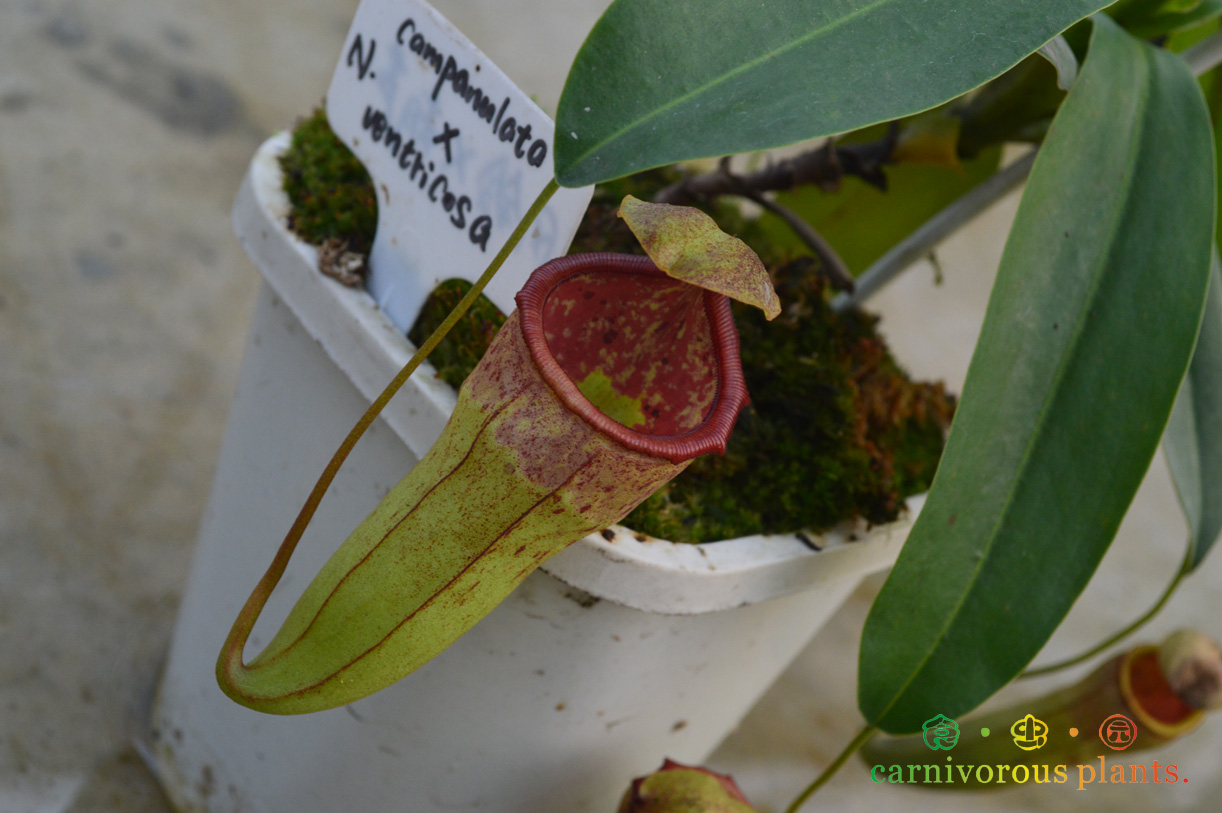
{"x": 463, "y": 347}
{"x": 333, "y": 199}
{"x": 328, "y": 187}
{"x": 835, "y": 429}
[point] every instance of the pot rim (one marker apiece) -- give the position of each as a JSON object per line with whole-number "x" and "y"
{"x": 731, "y": 396}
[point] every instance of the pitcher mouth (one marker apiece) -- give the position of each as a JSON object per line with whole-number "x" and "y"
{"x": 687, "y": 406}
{"x": 1153, "y": 702}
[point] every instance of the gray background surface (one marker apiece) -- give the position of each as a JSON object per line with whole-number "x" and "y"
{"x": 125, "y": 128}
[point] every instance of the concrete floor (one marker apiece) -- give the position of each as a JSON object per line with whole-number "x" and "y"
{"x": 125, "y": 128}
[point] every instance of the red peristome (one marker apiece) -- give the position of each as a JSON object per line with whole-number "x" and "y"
{"x": 1153, "y": 693}
{"x": 525, "y": 466}
{"x": 667, "y": 344}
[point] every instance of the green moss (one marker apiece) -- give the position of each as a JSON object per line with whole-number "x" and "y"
{"x": 332, "y": 197}
{"x": 835, "y": 429}
{"x": 463, "y": 347}
{"x": 329, "y": 189}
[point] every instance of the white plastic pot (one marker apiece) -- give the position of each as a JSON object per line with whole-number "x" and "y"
{"x": 621, "y": 653}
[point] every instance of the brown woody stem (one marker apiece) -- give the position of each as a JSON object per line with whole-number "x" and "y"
{"x": 837, "y": 272}
{"x": 824, "y": 167}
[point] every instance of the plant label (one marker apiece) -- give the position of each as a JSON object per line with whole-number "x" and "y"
{"x": 457, "y": 154}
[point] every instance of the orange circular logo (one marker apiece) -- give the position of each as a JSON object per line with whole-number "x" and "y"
{"x": 1118, "y": 732}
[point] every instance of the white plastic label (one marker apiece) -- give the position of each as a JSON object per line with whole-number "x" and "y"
{"x": 457, "y": 154}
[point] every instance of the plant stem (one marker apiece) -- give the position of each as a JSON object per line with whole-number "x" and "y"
{"x": 1058, "y": 52}
{"x": 852, "y": 748}
{"x": 833, "y": 267}
{"x": 236, "y": 642}
{"x": 1122, "y": 634}
{"x": 1205, "y": 55}
{"x": 824, "y": 166}
{"x": 1201, "y": 58}
{"x": 933, "y": 231}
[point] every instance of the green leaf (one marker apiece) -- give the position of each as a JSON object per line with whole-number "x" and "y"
{"x": 1180, "y": 6}
{"x": 660, "y": 81}
{"x": 1087, "y": 335}
{"x": 1168, "y": 18}
{"x": 689, "y": 245}
{"x": 1126, "y": 11}
{"x": 1193, "y": 441}
{"x": 1207, "y": 10}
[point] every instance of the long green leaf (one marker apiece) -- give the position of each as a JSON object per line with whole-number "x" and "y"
{"x": 1193, "y": 441}
{"x": 1087, "y": 335}
{"x": 1166, "y": 19}
{"x": 660, "y": 81}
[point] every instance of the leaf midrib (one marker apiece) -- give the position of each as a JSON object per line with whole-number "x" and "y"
{"x": 581, "y": 157}
{"x": 1042, "y": 421}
